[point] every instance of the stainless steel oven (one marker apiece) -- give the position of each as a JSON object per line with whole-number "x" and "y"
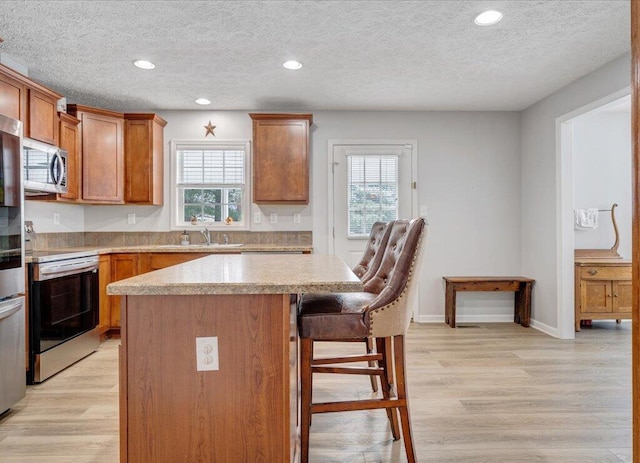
{"x": 63, "y": 312}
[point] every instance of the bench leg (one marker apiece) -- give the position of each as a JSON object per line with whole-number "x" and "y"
{"x": 523, "y": 305}
{"x": 450, "y": 306}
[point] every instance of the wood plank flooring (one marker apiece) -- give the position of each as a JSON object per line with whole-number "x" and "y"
{"x": 478, "y": 393}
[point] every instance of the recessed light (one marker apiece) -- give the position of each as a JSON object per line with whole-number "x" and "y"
{"x": 292, "y": 64}
{"x": 488, "y": 18}
{"x": 203, "y": 101}
{"x": 144, "y": 64}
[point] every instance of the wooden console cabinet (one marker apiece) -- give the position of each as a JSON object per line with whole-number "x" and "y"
{"x": 602, "y": 289}
{"x": 281, "y": 158}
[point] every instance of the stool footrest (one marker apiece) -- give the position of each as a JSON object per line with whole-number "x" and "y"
{"x": 345, "y": 406}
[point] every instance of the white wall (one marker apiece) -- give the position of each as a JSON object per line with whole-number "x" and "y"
{"x": 602, "y": 176}
{"x": 540, "y": 215}
{"x": 469, "y": 168}
{"x": 41, "y": 214}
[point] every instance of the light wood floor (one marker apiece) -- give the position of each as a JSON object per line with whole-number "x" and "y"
{"x": 479, "y": 393}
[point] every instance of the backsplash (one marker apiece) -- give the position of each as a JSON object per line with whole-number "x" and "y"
{"x": 78, "y": 239}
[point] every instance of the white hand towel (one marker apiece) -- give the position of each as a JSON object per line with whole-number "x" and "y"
{"x": 586, "y": 218}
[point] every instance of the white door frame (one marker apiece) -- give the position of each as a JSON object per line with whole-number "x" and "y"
{"x": 564, "y": 207}
{"x": 414, "y": 191}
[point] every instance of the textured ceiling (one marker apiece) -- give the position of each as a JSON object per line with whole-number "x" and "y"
{"x": 357, "y": 55}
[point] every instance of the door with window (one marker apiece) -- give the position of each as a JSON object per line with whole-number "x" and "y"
{"x": 371, "y": 181}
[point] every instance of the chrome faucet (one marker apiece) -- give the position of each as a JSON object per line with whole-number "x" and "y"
{"x": 225, "y": 238}
{"x": 207, "y": 235}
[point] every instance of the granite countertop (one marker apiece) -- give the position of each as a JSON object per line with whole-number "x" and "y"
{"x": 245, "y": 274}
{"x": 45, "y": 254}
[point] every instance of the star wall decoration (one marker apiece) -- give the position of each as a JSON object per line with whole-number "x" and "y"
{"x": 210, "y": 129}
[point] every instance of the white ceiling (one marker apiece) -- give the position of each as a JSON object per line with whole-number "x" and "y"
{"x": 357, "y": 55}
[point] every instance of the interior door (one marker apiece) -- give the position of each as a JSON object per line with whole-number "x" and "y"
{"x": 371, "y": 182}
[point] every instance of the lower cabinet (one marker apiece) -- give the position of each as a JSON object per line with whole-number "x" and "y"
{"x": 104, "y": 278}
{"x": 117, "y": 267}
{"x": 602, "y": 289}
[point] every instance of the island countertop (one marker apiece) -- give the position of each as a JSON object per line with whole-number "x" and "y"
{"x": 244, "y": 274}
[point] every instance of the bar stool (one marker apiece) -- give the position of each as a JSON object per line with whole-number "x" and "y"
{"x": 382, "y": 312}
{"x": 365, "y": 270}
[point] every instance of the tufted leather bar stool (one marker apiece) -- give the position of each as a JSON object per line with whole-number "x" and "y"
{"x": 382, "y": 311}
{"x": 365, "y": 270}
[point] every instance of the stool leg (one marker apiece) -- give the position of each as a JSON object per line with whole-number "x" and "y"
{"x": 372, "y": 363}
{"x": 306, "y": 354}
{"x": 400, "y": 367}
{"x": 386, "y": 381}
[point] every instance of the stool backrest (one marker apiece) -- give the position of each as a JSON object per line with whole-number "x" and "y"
{"x": 373, "y": 252}
{"x": 395, "y": 281}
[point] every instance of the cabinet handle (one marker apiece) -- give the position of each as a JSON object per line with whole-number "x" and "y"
{"x": 593, "y": 272}
{"x": 615, "y": 294}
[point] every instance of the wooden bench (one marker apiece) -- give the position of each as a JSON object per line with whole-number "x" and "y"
{"x": 522, "y": 287}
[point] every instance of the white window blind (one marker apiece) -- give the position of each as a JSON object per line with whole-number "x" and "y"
{"x": 211, "y": 185}
{"x": 373, "y": 191}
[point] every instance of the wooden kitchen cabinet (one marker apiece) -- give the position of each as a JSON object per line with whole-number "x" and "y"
{"x": 69, "y": 142}
{"x": 104, "y": 277}
{"x": 42, "y": 117}
{"x": 122, "y": 266}
{"x": 13, "y": 94}
{"x": 101, "y": 149}
{"x": 602, "y": 289}
{"x": 144, "y": 159}
{"x": 281, "y": 158}
{"x": 156, "y": 260}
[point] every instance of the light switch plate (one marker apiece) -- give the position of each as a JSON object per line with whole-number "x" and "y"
{"x": 257, "y": 217}
{"x": 273, "y": 218}
{"x": 296, "y": 217}
{"x": 131, "y": 219}
{"x": 56, "y": 218}
{"x": 207, "y": 354}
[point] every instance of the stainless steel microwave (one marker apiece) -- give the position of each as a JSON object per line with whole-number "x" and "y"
{"x": 45, "y": 168}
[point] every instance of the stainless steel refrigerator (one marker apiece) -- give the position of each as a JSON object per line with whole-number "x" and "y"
{"x": 12, "y": 274}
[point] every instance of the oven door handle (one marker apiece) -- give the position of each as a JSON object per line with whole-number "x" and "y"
{"x": 12, "y": 307}
{"x": 51, "y": 271}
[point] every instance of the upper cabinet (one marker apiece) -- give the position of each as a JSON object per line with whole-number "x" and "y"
{"x": 144, "y": 159}
{"x": 102, "y": 154}
{"x": 13, "y": 95}
{"x": 42, "y": 118}
{"x": 31, "y": 103}
{"x": 281, "y": 158}
{"x": 68, "y": 139}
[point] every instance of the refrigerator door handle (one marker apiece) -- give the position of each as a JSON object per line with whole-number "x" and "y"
{"x": 11, "y": 308}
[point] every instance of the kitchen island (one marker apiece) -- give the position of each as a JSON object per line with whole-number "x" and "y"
{"x": 247, "y": 408}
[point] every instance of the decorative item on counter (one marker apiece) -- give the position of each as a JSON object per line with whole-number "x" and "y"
{"x": 184, "y": 238}
{"x": 210, "y": 129}
{"x": 228, "y": 220}
{"x": 194, "y": 220}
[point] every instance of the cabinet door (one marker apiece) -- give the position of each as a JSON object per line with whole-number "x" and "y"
{"x": 43, "y": 117}
{"x": 596, "y": 296}
{"x": 280, "y": 159}
{"x": 102, "y": 158}
{"x": 122, "y": 266}
{"x": 12, "y": 98}
{"x": 162, "y": 260}
{"x": 622, "y": 296}
{"x": 104, "y": 277}
{"x": 144, "y": 159}
{"x": 69, "y": 143}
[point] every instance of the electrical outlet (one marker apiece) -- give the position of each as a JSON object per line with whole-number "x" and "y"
{"x": 207, "y": 354}
{"x": 296, "y": 218}
{"x": 273, "y": 218}
{"x": 257, "y": 217}
{"x": 56, "y": 218}
{"x": 131, "y": 219}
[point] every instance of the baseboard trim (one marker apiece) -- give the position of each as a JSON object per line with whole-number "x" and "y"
{"x": 546, "y": 329}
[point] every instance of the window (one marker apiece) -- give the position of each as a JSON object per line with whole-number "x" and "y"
{"x": 210, "y": 184}
{"x": 372, "y": 182}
